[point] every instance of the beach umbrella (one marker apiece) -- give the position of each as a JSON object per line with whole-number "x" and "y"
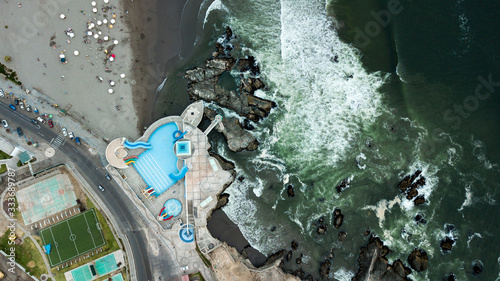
{"x": 114, "y": 16}
{"x": 62, "y": 16}
{"x": 76, "y": 53}
{"x": 99, "y": 32}
{"x": 71, "y": 34}
{"x": 62, "y": 55}
{"x": 112, "y": 21}
{"x": 93, "y": 3}
{"x": 94, "y": 10}
{"x": 104, "y": 21}
{"x": 122, "y": 75}
{"x": 113, "y": 55}
{"x": 89, "y": 33}
{"x": 115, "y": 42}
{"x": 106, "y": 38}
{"x": 106, "y": 1}
{"x": 111, "y": 59}
{"x": 110, "y": 26}
{"x": 96, "y": 36}
{"x": 63, "y": 60}
{"x": 99, "y": 22}
{"x": 112, "y": 83}
{"x": 110, "y": 91}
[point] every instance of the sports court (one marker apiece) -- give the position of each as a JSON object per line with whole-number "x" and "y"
{"x": 98, "y": 268}
{"x": 157, "y": 163}
{"x": 73, "y": 237}
{"x": 46, "y": 198}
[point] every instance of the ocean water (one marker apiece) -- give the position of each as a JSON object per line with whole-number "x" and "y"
{"x": 371, "y": 91}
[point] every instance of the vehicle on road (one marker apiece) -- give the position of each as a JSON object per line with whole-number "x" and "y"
{"x": 12, "y": 107}
{"x": 51, "y": 124}
{"x": 41, "y": 120}
{"x": 65, "y": 132}
{"x": 71, "y": 136}
{"x": 28, "y": 108}
{"x": 101, "y": 188}
{"x": 5, "y": 124}
{"x": 77, "y": 140}
{"x": 108, "y": 177}
{"x": 2, "y": 93}
{"x": 19, "y": 131}
{"x": 34, "y": 121}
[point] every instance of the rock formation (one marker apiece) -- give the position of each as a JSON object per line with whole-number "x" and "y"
{"x": 338, "y": 218}
{"x": 290, "y": 191}
{"x": 343, "y": 185}
{"x": 418, "y": 260}
{"x": 324, "y": 269}
{"x": 294, "y": 245}
{"x": 447, "y": 244}
{"x": 374, "y": 266}
{"x": 409, "y": 186}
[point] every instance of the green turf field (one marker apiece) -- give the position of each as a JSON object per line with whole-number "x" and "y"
{"x": 73, "y": 237}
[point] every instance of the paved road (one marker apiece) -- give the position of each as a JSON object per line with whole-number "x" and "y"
{"x": 122, "y": 209}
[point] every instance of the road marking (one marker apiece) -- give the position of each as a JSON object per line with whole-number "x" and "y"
{"x": 55, "y": 143}
{"x": 43, "y": 136}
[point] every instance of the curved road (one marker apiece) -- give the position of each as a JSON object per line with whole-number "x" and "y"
{"x": 90, "y": 167}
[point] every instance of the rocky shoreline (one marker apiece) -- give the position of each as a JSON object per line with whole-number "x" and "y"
{"x": 203, "y": 84}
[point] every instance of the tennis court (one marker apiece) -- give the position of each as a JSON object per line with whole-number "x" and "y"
{"x": 73, "y": 237}
{"x": 98, "y": 268}
{"x": 46, "y": 198}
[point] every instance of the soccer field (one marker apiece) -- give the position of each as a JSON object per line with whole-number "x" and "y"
{"x": 73, "y": 237}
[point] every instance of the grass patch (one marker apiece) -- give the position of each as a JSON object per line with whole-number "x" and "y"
{"x": 203, "y": 258}
{"x": 196, "y": 276}
{"x": 26, "y": 254}
{"x": 3, "y": 168}
{"x": 111, "y": 244}
{"x": 10, "y": 74}
{"x": 4, "y": 155}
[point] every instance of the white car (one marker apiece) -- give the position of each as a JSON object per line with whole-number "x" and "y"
{"x": 71, "y": 136}
{"x": 101, "y": 188}
{"x": 4, "y": 123}
{"x": 2, "y": 94}
{"x": 21, "y": 105}
{"x": 41, "y": 120}
{"x": 64, "y": 131}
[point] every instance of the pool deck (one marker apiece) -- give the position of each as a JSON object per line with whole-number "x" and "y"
{"x": 204, "y": 181}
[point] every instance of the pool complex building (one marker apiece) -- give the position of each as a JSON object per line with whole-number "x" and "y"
{"x": 158, "y": 163}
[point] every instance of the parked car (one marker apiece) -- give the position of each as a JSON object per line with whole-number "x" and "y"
{"x": 34, "y": 121}
{"x": 108, "y": 177}
{"x": 28, "y": 108}
{"x": 65, "y": 132}
{"x": 71, "y": 136}
{"x": 16, "y": 101}
{"x": 12, "y": 107}
{"x": 41, "y": 120}
{"x": 101, "y": 188}
{"x": 19, "y": 131}
{"x": 51, "y": 124}
{"x": 2, "y": 94}
{"x": 21, "y": 105}
{"x": 5, "y": 124}
{"x": 77, "y": 140}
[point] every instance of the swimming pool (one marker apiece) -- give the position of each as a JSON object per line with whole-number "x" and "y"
{"x": 158, "y": 164}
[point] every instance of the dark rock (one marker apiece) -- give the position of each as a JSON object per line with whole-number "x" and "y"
{"x": 299, "y": 259}
{"x": 247, "y": 125}
{"x": 412, "y": 192}
{"x": 299, "y": 273}
{"x": 295, "y": 245}
{"x": 249, "y": 64}
{"x": 419, "y": 200}
{"x": 322, "y": 228}
{"x": 451, "y": 277}
{"x": 342, "y": 236}
{"x": 338, "y": 218}
{"x": 343, "y": 185}
{"x": 367, "y": 232}
{"x": 274, "y": 257}
{"x": 290, "y": 191}
{"x": 477, "y": 268}
{"x": 241, "y": 178}
{"x": 321, "y": 220}
{"x": 374, "y": 266}
{"x": 250, "y": 85}
{"x": 420, "y": 219}
{"x": 418, "y": 260}
{"x": 244, "y": 254}
{"x": 222, "y": 201}
{"x": 225, "y": 164}
{"x": 237, "y": 138}
{"x": 289, "y": 256}
{"x": 273, "y": 228}
{"x": 324, "y": 269}
{"x": 309, "y": 278}
{"x": 447, "y": 244}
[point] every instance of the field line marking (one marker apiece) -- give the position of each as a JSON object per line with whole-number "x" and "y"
{"x": 88, "y": 228}
{"x": 53, "y": 238}
{"x": 76, "y": 247}
{"x": 100, "y": 230}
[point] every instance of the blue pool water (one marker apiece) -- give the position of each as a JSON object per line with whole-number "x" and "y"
{"x": 158, "y": 165}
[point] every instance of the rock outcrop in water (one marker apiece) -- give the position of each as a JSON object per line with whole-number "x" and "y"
{"x": 338, "y": 218}
{"x": 374, "y": 266}
{"x": 203, "y": 84}
{"x": 237, "y": 138}
{"x": 418, "y": 260}
{"x": 410, "y": 185}
{"x": 343, "y": 185}
{"x": 324, "y": 269}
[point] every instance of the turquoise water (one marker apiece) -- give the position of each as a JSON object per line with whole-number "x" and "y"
{"x": 423, "y": 95}
{"x": 157, "y": 163}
